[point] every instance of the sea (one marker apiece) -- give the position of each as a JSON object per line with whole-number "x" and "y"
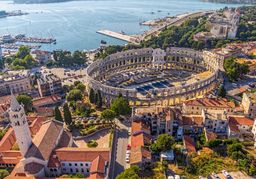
{"x": 74, "y": 24}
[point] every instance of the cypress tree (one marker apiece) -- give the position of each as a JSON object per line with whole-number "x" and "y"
{"x": 58, "y": 115}
{"x": 99, "y": 101}
{"x": 92, "y": 96}
{"x": 67, "y": 114}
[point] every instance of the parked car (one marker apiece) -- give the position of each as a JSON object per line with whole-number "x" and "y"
{"x": 170, "y": 177}
{"x": 128, "y": 152}
{"x": 177, "y": 177}
{"x": 128, "y": 147}
{"x": 215, "y": 176}
{"x": 226, "y": 174}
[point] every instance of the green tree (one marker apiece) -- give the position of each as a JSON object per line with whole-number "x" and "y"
{"x": 121, "y": 106}
{"x": 222, "y": 91}
{"x": 26, "y": 101}
{"x": 92, "y": 96}
{"x": 3, "y": 173}
{"x": 58, "y": 115}
{"x": 74, "y": 95}
{"x": 108, "y": 114}
{"x": 23, "y": 52}
{"x": 236, "y": 147}
{"x": 67, "y": 114}
{"x": 99, "y": 100}
{"x": 163, "y": 143}
{"x": 130, "y": 173}
{"x": 80, "y": 86}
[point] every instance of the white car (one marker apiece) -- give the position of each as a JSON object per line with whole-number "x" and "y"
{"x": 177, "y": 177}
{"x": 128, "y": 152}
{"x": 225, "y": 173}
{"x": 127, "y": 158}
{"x": 170, "y": 177}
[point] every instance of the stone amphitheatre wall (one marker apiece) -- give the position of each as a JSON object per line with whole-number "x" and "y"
{"x": 172, "y": 58}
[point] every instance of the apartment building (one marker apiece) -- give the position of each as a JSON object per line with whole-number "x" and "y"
{"x": 249, "y": 104}
{"x": 49, "y": 85}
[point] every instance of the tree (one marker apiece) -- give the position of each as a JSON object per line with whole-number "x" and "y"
{"x": 74, "y": 95}
{"x": 23, "y": 52}
{"x": 108, "y": 114}
{"x": 26, "y": 101}
{"x": 67, "y": 114}
{"x": 130, "y": 173}
{"x": 58, "y": 115}
{"x": 222, "y": 91}
{"x": 92, "y": 96}
{"x": 163, "y": 143}
{"x": 121, "y": 106}
{"x": 3, "y": 173}
{"x": 236, "y": 147}
{"x": 99, "y": 100}
{"x": 80, "y": 86}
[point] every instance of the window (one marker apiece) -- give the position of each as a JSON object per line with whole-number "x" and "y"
{"x": 81, "y": 164}
{"x": 86, "y": 164}
{"x": 75, "y": 164}
{"x": 71, "y": 170}
{"x": 70, "y": 164}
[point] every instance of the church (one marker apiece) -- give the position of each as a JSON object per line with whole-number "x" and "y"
{"x": 46, "y": 149}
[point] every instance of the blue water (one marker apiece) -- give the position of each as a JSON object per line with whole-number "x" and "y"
{"x": 74, "y": 24}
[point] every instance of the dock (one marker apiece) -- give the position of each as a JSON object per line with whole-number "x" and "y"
{"x": 119, "y": 36}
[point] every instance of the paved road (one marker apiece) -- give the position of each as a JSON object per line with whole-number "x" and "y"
{"x": 119, "y": 150}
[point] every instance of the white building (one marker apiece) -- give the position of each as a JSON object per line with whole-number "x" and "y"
{"x": 215, "y": 120}
{"x": 249, "y": 104}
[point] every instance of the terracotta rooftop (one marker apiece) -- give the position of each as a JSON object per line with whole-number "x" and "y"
{"x": 81, "y": 154}
{"x": 44, "y": 141}
{"x": 210, "y": 135}
{"x": 211, "y": 102}
{"x": 138, "y": 126}
{"x": 192, "y": 120}
{"x": 138, "y": 154}
{"x": 140, "y": 140}
{"x": 189, "y": 144}
{"x": 46, "y": 100}
{"x": 98, "y": 165}
{"x": 8, "y": 140}
{"x": 235, "y": 121}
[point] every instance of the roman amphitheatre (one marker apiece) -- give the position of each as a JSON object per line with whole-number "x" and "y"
{"x": 155, "y": 77}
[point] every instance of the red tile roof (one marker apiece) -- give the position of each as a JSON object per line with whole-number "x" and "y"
{"x": 46, "y": 100}
{"x": 45, "y": 139}
{"x": 8, "y": 140}
{"x": 192, "y": 120}
{"x": 138, "y": 126}
{"x": 210, "y": 135}
{"x": 138, "y": 154}
{"x": 140, "y": 140}
{"x": 235, "y": 121}
{"x": 81, "y": 154}
{"x": 98, "y": 165}
{"x": 189, "y": 144}
{"x": 211, "y": 102}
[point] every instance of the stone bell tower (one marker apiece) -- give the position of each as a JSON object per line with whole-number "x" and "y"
{"x": 20, "y": 125}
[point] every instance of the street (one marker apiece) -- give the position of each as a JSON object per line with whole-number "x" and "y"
{"x": 119, "y": 150}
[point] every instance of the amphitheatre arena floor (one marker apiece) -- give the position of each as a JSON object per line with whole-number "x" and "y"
{"x": 144, "y": 80}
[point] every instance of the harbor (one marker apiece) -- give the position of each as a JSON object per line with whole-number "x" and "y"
{"x": 157, "y": 26}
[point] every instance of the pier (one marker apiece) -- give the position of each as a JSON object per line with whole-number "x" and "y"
{"x": 120, "y": 36}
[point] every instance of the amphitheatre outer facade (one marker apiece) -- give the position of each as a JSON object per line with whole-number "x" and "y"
{"x": 204, "y": 68}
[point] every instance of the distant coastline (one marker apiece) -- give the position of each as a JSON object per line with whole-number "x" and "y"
{"x": 39, "y": 1}
{"x": 253, "y": 2}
